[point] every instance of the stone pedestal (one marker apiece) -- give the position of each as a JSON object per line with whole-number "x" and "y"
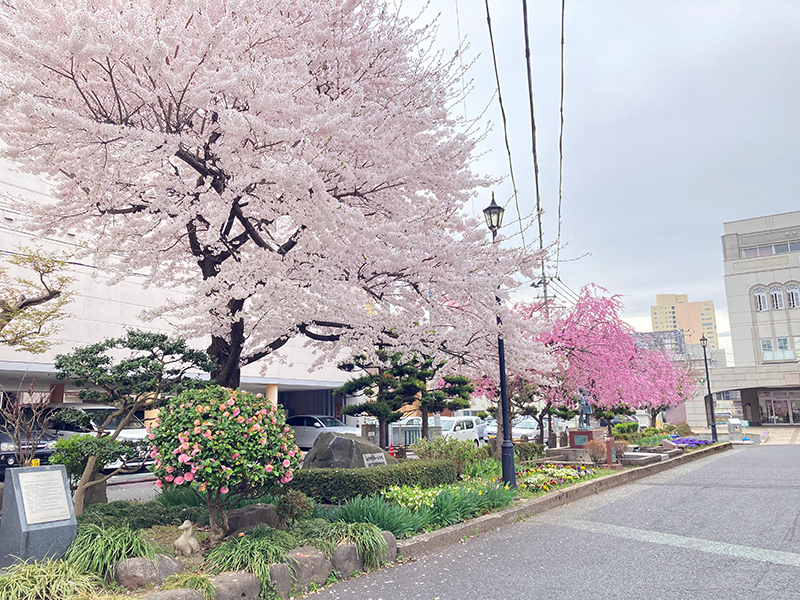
{"x": 579, "y": 437}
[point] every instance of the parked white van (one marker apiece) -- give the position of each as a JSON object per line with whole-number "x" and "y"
{"x": 460, "y": 428}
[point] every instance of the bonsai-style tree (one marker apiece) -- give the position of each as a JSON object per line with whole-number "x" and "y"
{"x": 32, "y": 307}
{"x": 227, "y": 445}
{"x": 132, "y": 373}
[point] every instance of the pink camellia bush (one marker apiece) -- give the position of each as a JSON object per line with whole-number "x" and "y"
{"x": 227, "y": 444}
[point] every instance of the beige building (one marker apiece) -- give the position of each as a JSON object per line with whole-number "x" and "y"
{"x": 674, "y": 312}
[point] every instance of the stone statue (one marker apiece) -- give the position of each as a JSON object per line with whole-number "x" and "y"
{"x": 585, "y": 410}
{"x": 186, "y": 544}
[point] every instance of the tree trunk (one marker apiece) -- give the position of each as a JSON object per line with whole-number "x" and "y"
{"x": 217, "y": 521}
{"x": 80, "y": 491}
{"x": 382, "y": 429}
{"x": 227, "y": 354}
{"x": 425, "y": 431}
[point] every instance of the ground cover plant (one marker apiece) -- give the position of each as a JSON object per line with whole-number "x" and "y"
{"x": 97, "y": 550}
{"x": 47, "y": 580}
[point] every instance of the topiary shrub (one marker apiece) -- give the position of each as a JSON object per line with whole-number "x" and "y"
{"x": 649, "y": 431}
{"x": 683, "y": 429}
{"x": 528, "y": 451}
{"x": 294, "y": 505}
{"x": 626, "y": 428}
{"x": 334, "y": 486}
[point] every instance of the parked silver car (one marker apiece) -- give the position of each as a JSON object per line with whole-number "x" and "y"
{"x": 308, "y": 427}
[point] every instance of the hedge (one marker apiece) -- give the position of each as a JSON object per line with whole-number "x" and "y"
{"x": 334, "y": 486}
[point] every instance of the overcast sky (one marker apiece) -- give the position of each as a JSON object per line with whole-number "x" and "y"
{"x": 679, "y": 116}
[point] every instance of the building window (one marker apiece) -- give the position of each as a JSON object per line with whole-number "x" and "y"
{"x": 793, "y": 296}
{"x": 776, "y": 298}
{"x": 760, "y": 297}
{"x": 766, "y": 349}
{"x": 784, "y": 351}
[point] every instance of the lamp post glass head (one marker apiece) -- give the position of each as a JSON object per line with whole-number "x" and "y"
{"x": 703, "y": 341}
{"x": 494, "y": 215}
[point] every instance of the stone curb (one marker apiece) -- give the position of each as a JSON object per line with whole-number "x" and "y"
{"x": 428, "y": 542}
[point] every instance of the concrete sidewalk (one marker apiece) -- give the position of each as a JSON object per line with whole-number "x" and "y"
{"x": 778, "y": 434}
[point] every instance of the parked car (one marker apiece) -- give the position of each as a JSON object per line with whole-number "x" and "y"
{"x": 308, "y": 427}
{"x": 45, "y": 448}
{"x": 525, "y": 427}
{"x": 460, "y": 428}
{"x": 134, "y": 430}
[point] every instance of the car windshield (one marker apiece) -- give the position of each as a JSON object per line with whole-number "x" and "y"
{"x": 527, "y": 425}
{"x": 331, "y": 422}
{"x": 447, "y": 425}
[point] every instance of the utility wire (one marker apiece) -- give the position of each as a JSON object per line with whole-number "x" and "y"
{"x": 505, "y": 128}
{"x": 533, "y": 143}
{"x": 560, "y": 142}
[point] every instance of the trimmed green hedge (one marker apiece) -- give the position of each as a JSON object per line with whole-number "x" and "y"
{"x": 334, "y": 486}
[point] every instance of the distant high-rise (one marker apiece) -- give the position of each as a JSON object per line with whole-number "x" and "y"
{"x": 674, "y": 312}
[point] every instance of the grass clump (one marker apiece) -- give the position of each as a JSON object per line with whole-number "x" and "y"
{"x": 141, "y": 515}
{"x": 97, "y": 550}
{"x": 401, "y": 521}
{"x": 367, "y": 538}
{"x": 47, "y": 580}
{"x": 253, "y": 552}
{"x": 195, "y": 581}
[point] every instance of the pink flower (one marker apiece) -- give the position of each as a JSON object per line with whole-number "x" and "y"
{"x": 178, "y": 480}
{"x": 197, "y": 430}
{"x": 286, "y": 479}
{"x": 286, "y": 463}
{"x": 236, "y": 412}
{"x": 268, "y": 468}
{"x": 152, "y": 436}
{"x": 263, "y": 441}
{"x": 274, "y": 421}
{"x": 188, "y": 477}
{"x": 263, "y": 411}
{"x": 184, "y": 458}
{"x": 231, "y": 402}
{"x": 159, "y": 484}
{"x": 224, "y": 490}
{"x": 291, "y": 452}
{"x": 222, "y": 407}
{"x": 169, "y": 478}
{"x": 283, "y": 447}
{"x": 170, "y": 469}
{"x": 240, "y": 419}
{"x": 287, "y": 429}
{"x": 235, "y": 455}
{"x": 259, "y": 395}
{"x": 153, "y": 453}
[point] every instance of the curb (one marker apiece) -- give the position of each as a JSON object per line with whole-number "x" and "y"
{"x": 428, "y": 542}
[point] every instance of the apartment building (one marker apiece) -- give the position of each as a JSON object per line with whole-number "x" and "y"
{"x": 674, "y": 312}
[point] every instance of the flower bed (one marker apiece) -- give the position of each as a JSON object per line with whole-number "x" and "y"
{"x": 691, "y": 442}
{"x": 545, "y": 477}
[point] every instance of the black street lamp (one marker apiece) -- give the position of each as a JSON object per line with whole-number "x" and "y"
{"x": 704, "y": 343}
{"x": 494, "y": 219}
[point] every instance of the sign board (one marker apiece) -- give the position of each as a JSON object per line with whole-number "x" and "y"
{"x": 38, "y": 518}
{"x": 373, "y": 460}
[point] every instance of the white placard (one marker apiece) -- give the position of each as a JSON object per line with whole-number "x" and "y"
{"x": 372, "y": 460}
{"x": 44, "y": 497}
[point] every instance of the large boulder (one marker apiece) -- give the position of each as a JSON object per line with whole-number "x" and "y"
{"x": 391, "y": 547}
{"x": 309, "y": 566}
{"x": 345, "y": 451}
{"x": 253, "y": 515}
{"x": 135, "y": 573}
{"x": 176, "y": 594}
{"x": 346, "y": 560}
{"x": 281, "y": 577}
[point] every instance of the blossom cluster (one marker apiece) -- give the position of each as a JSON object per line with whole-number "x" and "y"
{"x": 222, "y": 440}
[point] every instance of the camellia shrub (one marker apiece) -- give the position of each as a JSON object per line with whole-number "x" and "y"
{"x": 227, "y": 444}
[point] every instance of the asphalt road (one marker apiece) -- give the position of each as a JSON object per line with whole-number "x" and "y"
{"x": 724, "y": 527}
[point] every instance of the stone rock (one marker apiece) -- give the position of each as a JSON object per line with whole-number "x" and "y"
{"x": 391, "y": 547}
{"x": 134, "y": 573}
{"x": 344, "y": 451}
{"x": 237, "y": 586}
{"x": 668, "y": 444}
{"x": 309, "y": 566}
{"x": 253, "y": 515}
{"x": 281, "y": 577}
{"x": 178, "y": 594}
{"x": 345, "y": 560}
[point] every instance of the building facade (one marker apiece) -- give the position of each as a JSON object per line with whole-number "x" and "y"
{"x": 674, "y": 312}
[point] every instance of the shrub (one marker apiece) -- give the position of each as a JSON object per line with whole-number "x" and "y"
{"x": 294, "y": 505}
{"x": 141, "y": 515}
{"x": 528, "y": 451}
{"x": 649, "y": 431}
{"x": 621, "y": 447}
{"x": 626, "y": 428}
{"x": 332, "y": 486}
{"x": 74, "y": 452}
{"x": 596, "y": 450}
{"x": 683, "y": 429}
{"x": 399, "y": 520}
{"x": 97, "y": 550}
{"x": 488, "y": 468}
{"x": 50, "y": 579}
{"x": 669, "y": 428}
{"x": 230, "y": 443}
{"x": 459, "y": 452}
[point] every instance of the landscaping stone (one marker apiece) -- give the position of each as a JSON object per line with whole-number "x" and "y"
{"x": 344, "y": 451}
{"x": 178, "y": 594}
{"x": 391, "y": 547}
{"x": 345, "y": 560}
{"x": 309, "y": 566}
{"x": 253, "y": 515}
{"x": 134, "y": 573}
{"x": 281, "y": 577}
{"x": 237, "y": 586}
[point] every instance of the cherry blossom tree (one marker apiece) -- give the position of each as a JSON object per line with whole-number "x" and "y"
{"x": 290, "y": 166}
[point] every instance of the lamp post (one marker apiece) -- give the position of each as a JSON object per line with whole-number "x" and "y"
{"x": 494, "y": 219}
{"x": 704, "y": 343}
